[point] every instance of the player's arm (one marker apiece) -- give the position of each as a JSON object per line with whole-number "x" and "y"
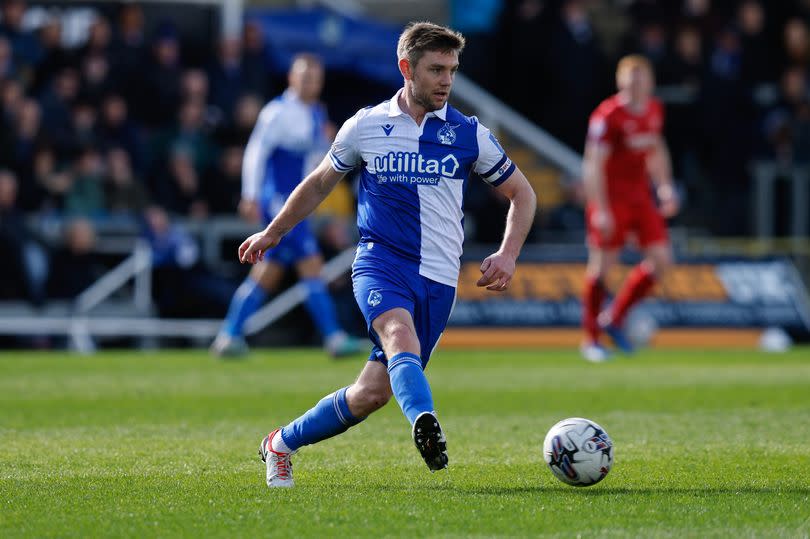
{"x": 593, "y": 176}
{"x": 499, "y": 268}
{"x": 659, "y": 165}
{"x": 301, "y": 202}
{"x": 261, "y": 142}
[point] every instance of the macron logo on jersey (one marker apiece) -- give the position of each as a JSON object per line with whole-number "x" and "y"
{"x": 413, "y": 168}
{"x": 387, "y": 128}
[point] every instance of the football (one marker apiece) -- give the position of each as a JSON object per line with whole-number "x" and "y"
{"x": 578, "y": 451}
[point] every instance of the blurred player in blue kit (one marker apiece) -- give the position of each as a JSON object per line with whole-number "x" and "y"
{"x": 415, "y": 153}
{"x": 290, "y": 131}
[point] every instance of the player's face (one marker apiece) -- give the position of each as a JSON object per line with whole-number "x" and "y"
{"x": 636, "y": 82}
{"x": 306, "y": 79}
{"x": 432, "y": 78}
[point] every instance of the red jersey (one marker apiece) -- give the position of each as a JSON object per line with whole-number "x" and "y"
{"x": 630, "y": 137}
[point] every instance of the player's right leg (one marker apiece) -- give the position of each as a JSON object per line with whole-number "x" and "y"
{"x": 263, "y": 278}
{"x": 600, "y": 261}
{"x": 332, "y": 415}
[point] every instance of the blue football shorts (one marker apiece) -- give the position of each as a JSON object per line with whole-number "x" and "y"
{"x": 298, "y": 244}
{"x": 383, "y": 282}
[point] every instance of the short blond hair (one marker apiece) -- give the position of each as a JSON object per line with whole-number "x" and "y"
{"x": 632, "y": 61}
{"x": 421, "y": 37}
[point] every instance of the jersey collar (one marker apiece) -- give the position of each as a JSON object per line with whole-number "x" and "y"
{"x": 394, "y": 110}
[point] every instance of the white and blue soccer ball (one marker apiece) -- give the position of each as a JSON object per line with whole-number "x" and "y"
{"x": 578, "y": 451}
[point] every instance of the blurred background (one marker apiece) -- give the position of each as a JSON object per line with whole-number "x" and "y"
{"x": 124, "y": 125}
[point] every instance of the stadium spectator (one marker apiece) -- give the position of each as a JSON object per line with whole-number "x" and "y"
{"x": 796, "y": 43}
{"x": 27, "y": 51}
{"x": 162, "y": 92}
{"x": 179, "y": 186}
{"x": 130, "y": 54}
{"x": 8, "y": 69}
{"x": 124, "y": 193}
{"x": 75, "y": 265}
{"x": 96, "y": 79}
{"x": 758, "y": 53}
{"x": 57, "y": 101}
{"x": 574, "y": 57}
{"x": 223, "y": 182}
{"x": 85, "y": 197}
{"x": 787, "y": 124}
{"x": 227, "y": 75}
{"x": 255, "y": 70}
{"x": 24, "y": 268}
{"x": 183, "y": 286}
{"x": 117, "y": 129}
{"x": 55, "y": 179}
{"x": 55, "y": 57}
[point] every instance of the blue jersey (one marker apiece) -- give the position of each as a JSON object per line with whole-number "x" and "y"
{"x": 410, "y": 198}
{"x": 286, "y": 143}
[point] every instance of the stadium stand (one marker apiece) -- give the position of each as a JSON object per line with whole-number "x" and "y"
{"x": 112, "y": 112}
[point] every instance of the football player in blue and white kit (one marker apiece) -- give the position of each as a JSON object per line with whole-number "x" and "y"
{"x": 290, "y": 130}
{"x": 415, "y": 153}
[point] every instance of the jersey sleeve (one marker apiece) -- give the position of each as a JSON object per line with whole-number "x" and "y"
{"x": 492, "y": 164}
{"x": 263, "y": 139}
{"x": 344, "y": 153}
{"x": 601, "y": 129}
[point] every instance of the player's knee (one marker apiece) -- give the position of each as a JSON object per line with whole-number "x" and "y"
{"x": 397, "y": 334}
{"x": 369, "y": 398}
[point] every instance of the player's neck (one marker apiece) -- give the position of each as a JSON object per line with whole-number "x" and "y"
{"x": 410, "y": 107}
{"x": 300, "y": 97}
{"x": 635, "y": 106}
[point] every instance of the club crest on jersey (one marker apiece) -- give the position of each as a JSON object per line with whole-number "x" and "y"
{"x": 446, "y": 135}
{"x": 374, "y": 298}
{"x": 387, "y": 128}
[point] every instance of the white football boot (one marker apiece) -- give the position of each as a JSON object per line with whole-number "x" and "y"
{"x": 279, "y": 465}
{"x": 595, "y": 352}
{"x": 225, "y": 346}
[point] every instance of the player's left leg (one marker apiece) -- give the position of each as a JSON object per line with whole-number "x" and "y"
{"x": 654, "y": 241}
{"x": 332, "y": 415}
{"x": 321, "y": 308}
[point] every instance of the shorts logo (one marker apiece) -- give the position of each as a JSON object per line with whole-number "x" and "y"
{"x": 446, "y": 135}
{"x": 374, "y": 298}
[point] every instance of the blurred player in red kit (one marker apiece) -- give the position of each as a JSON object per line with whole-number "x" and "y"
{"x": 623, "y": 152}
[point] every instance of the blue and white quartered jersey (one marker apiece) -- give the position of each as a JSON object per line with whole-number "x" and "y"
{"x": 285, "y": 145}
{"x": 410, "y": 200}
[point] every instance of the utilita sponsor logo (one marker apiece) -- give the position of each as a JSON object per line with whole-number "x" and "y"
{"x": 415, "y": 163}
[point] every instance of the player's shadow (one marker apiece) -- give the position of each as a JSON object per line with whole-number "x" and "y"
{"x": 609, "y": 491}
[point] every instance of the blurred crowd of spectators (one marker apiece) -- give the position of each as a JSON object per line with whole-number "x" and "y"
{"x": 125, "y": 128}
{"x": 733, "y": 74}
{"x": 113, "y": 131}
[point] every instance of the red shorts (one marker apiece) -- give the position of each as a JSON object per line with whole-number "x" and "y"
{"x": 640, "y": 219}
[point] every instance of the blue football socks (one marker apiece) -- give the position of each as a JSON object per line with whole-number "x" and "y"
{"x": 330, "y": 417}
{"x": 321, "y": 307}
{"x": 409, "y": 384}
{"x": 248, "y": 298}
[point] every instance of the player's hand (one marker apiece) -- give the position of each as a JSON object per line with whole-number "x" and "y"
{"x": 669, "y": 205}
{"x": 249, "y": 210}
{"x": 497, "y": 270}
{"x": 602, "y": 220}
{"x": 252, "y": 249}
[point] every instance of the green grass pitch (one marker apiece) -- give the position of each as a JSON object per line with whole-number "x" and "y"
{"x": 163, "y": 444}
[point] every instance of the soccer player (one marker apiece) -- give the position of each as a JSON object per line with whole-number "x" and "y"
{"x": 624, "y": 150}
{"x": 415, "y": 153}
{"x": 290, "y": 129}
